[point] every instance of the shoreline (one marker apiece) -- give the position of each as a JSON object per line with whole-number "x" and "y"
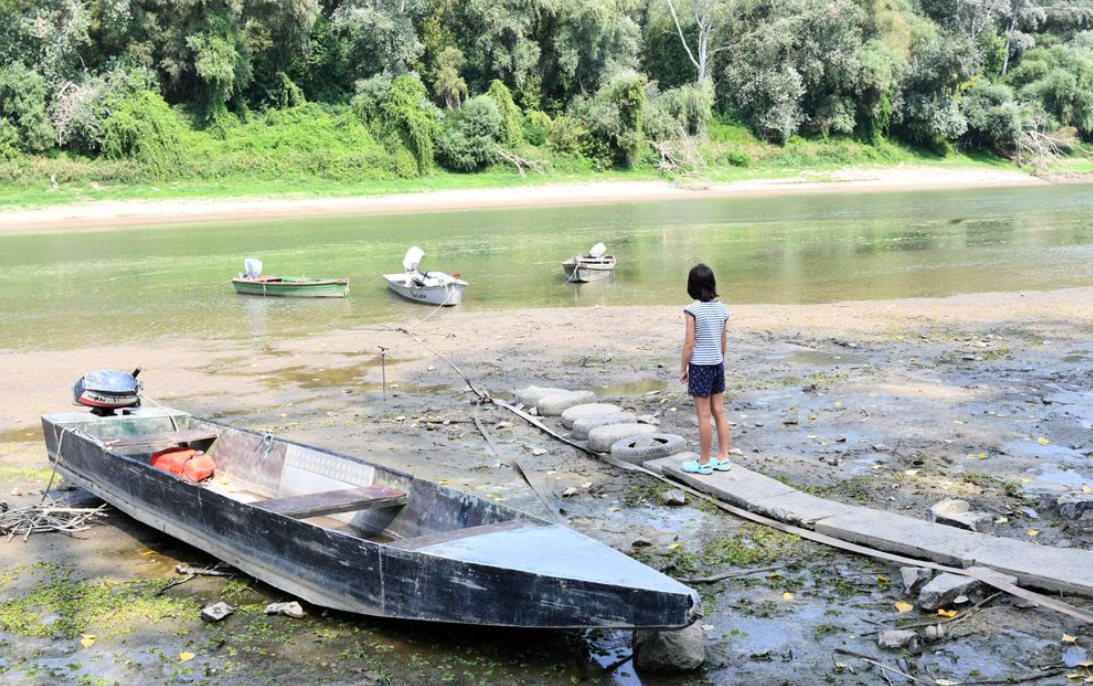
{"x": 113, "y": 214}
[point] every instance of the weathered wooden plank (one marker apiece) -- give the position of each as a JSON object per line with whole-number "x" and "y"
{"x": 184, "y": 436}
{"x": 334, "y": 502}
{"x": 418, "y": 542}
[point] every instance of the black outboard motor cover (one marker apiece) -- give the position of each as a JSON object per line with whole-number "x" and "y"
{"x": 107, "y": 390}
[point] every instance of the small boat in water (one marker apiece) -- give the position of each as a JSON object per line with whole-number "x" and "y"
{"x": 431, "y": 288}
{"x": 253, "y": 283}
{"x": 594, "y": 266}
{"x": 348, "y": 534}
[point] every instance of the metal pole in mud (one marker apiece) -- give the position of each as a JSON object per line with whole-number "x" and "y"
{"x": 383, "y": 369}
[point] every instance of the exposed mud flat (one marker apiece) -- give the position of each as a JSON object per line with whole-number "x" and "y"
{"x": 895, "y": 405}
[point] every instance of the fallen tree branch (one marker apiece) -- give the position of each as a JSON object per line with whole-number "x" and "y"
{"x": 881, "y": 665}
{"x": 728, "y": 575}
{"x": 193, "y": 571}
{"x": 519, "y": 162}
{"x": 33, "y": 519}
{"x": 1020, "y": 680}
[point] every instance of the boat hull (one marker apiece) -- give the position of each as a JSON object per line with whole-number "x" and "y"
{"x": 585, "y": 270}
{"x": 447, "y": 295}
{"x": 292, "y": 287}
{"x": 447, "y": 577}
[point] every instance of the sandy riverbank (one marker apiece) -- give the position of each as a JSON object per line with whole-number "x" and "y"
{"x": 132, "y": 213}
{"x": 890, "y": 404}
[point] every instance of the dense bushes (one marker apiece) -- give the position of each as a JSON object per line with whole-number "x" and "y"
{"x": 469, "y": 138}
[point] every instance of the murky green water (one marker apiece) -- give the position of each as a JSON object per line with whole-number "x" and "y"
{"x": 68, "y": 290}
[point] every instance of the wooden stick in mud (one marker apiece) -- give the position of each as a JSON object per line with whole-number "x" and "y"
{"x": 987, "y": 578}
{"x": 515, "y": 464}
{"x": 729, "y": 575}
{"x": 1021, "y": 680}
{"x": 866, "y": 658}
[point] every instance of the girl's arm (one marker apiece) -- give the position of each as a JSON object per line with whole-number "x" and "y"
{"x": 724, "y": 339}
{"x": 688, "y": 347}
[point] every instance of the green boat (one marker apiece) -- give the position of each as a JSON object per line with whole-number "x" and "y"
{"x": 291, "y": 286}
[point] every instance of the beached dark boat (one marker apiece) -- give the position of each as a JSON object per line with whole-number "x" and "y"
{"x": 343, "y": 533}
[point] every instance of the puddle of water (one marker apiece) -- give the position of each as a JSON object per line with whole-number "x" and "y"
{"x": 631, "y": 388}
{"x": 819, "y": 357}
{"x": 26, "y": 434}
{"x": 1053, "y": 475}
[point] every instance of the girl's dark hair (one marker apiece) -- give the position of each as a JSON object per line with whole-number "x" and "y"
{"x": 701, "y": 284}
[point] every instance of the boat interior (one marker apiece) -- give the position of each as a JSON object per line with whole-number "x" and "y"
{"x": 324, "y": 489}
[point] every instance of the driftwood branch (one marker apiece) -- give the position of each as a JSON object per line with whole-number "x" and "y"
{"x": 679, "y": 156}
{"x": 34, "y": 519}
{"x": 519, "y": 162}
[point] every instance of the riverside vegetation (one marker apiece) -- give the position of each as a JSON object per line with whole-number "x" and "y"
{"x": 142, "y": 98}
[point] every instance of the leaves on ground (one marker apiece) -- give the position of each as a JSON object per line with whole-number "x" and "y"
{"x": 902, "y": 607}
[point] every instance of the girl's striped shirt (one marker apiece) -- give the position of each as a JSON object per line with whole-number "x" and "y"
{"x": 710, "y": 318}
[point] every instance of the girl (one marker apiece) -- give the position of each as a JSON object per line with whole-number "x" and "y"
{"x": 702, "y": 368}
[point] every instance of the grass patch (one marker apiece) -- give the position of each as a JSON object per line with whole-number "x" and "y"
{"x": 25, "y": 474}
{"x": 751, "y": 545}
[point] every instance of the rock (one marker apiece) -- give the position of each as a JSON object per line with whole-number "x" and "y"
{"x": 641, "y": 543}
{"x": 682, "y": 650}
{"x": 895, "y": 639}
{"x": 736, "y": 451}
{"x": 216, "y": 611}
{"x": 1075, "y": 507}
{"x": 502, "y": 425}
{"x": 531, "y": 395}
{"x": 602, "y": 438}
{"x": 944, "y": 589}
{"x": 648, "y": 419}
{"x": 935, "y": 632}
{"x": 959, "y": 513}
{"x": 674, "y": 497}
{"x": 587, "y": 410}
{"x": 538, "y": 451}
{"x": 554, "y": 405}
{"x": 914, "y": 578}
{"x": 292, "y": 609}
{"x": 570, "y": 492}
{"x": 583, "y": 426}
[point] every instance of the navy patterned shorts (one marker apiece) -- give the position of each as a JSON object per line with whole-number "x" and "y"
{"x": 704, "y": 380}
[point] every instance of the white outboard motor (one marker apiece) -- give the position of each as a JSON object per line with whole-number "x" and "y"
{"x": 597, "y": 251}
{"x": 413, "y": 258}
{"x": 252, "y": 267}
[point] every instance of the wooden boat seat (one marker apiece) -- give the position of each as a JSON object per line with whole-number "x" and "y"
{"x": 335, "y": 502}
{"x": 176, "y": 437}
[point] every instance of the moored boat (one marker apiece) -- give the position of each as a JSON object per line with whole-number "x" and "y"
{"x": 594, "y": 266}
{"x": 251, "y": 282}
{"x": 431, "y": 288}
{"x": 344, "y": 533}
{"x": 291, "y": 286}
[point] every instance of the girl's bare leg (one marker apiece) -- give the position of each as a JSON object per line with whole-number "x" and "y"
{"x": 717, "y": 408}
{"x": 705, "y": 431}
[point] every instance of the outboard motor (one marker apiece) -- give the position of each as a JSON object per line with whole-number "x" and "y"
{"x": 107, "y": 390}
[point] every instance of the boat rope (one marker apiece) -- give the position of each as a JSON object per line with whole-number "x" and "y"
{"x": 56, "y": 462}
{"x": 174, "y": 425}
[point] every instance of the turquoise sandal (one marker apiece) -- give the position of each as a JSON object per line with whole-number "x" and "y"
{"x": 694, "y": 467}
{"x": 719, "y": 465}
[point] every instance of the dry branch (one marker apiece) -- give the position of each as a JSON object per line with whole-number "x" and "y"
{"x": 34, "y": 519}
{"x": 519, "y": 162}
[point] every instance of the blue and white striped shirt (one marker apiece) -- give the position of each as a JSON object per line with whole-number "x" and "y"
{"x": 710, "y": 318}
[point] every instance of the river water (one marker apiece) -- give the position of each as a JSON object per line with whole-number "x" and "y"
{"x": 66, "y": 290}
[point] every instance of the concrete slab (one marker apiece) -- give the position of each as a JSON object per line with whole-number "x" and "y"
{"x": 738, "y": 486}
{"x": 799, "y": 508}
{"x": 903, "y": 535}
{"x": 658, "y": 465}
{"x": 1063, "y": 570}
{"x": 587, "y": 410}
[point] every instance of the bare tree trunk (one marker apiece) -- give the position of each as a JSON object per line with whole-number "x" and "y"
{"x": 1009, "y": 40}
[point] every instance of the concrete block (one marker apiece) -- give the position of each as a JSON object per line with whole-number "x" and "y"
{"x": 1061, "y": 570}
{"x": 658, "y": 466}
{"x": 602, "y": 438}
{"x": 799, "y": 508}
{"x": 959, "y": 513}
{"x": 587, "y": 410}
{"x": 738, "y": 486}
{"x": 943, "y": 589}
{"x": 554, "y": 405}
{"x": 903, "y": 535}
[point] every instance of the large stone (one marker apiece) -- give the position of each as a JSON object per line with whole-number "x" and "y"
{"x": 583, "y": 426}
{"x": 943, "y": 589}
{"x": 1059, "y": 570}
{"x": 216, "y": 611}
{"x": 683, "y": 650}
{"x": 554, "y": 405}
{"x": 914, "y": 578}
{"x": 292, "y": 609}
{"x": 602, "y": 438}
{"x": 531, "y": 395}
{"x": 587, "y": 410}
{"x": 1075, "y": 507}
{"x": 896, "y": 639}
{"x": 959, "y": 513}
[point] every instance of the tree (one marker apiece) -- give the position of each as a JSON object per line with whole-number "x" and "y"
{"x": 711, "y": 20}
{"x": 23, "y": 94}
{"x": 379, "y": 34}
{"x": 448, "y": 84}
{"x": 470, "y": 136}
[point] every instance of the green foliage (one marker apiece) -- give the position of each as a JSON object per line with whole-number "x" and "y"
{"x": 1060, "y": 79}
{"x": 685, "y": 110}
{"x": 995, "y": 119}
{"x": 468, "y": 141}
{"x": 568, "y": 135}
{"x": 878, "y": 85}
{"x": 408, "y": 112}
{"x": 23, "y": 106}
{"x": 614, "y": 118}
{"x": 448, "y": 84}
{"x": 143, "y": 128}
{"x": 537, "y": 127}
{"x": 511, "y": 130}
{"x": 9, "y": 139}
{"x": 221, "y": 61}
